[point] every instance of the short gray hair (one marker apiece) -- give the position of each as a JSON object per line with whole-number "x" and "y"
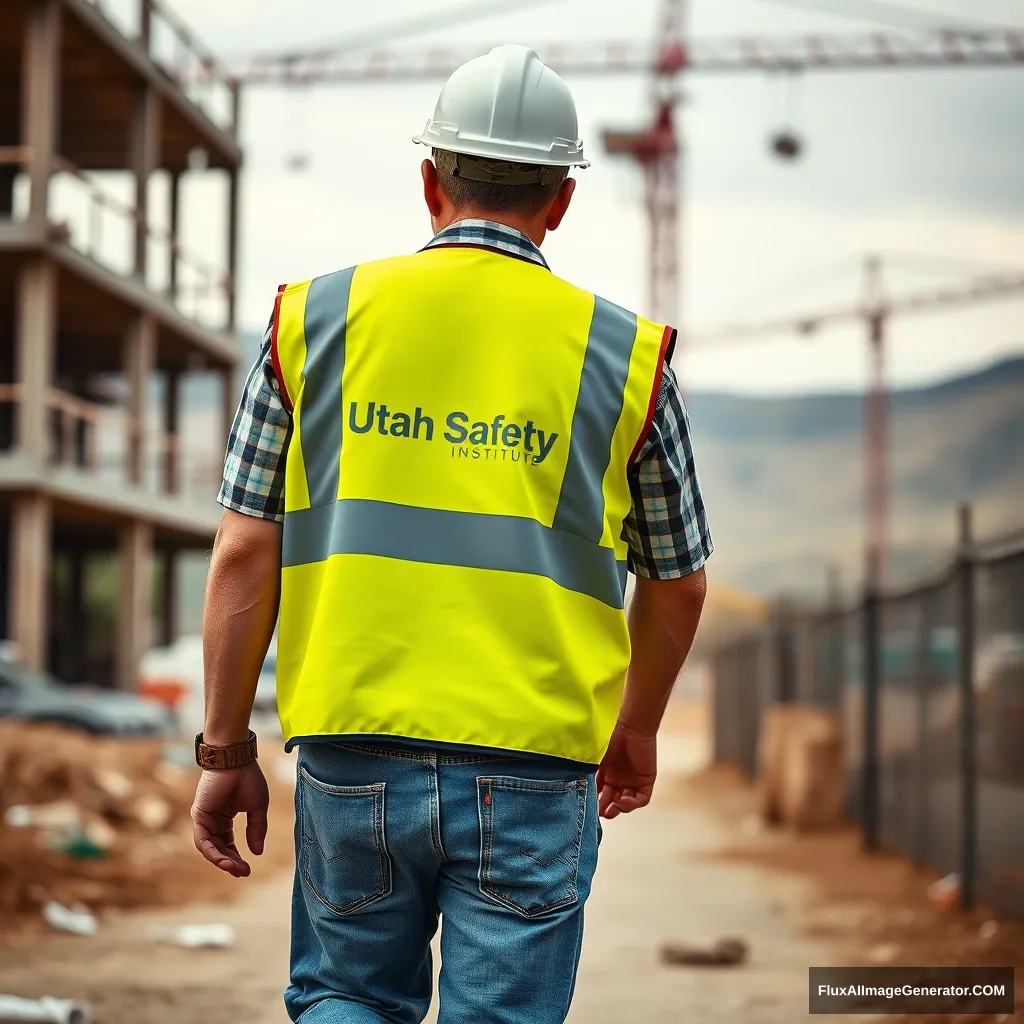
{"x": 498, "y": 186}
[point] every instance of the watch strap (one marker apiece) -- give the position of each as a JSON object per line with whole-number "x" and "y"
{"x": 235, "y": 755}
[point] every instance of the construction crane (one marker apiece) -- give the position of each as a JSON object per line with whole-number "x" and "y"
{"x": 667, "y": 59}
{"x": 656, "y": 150}
{"x": 657, "y": 147}
{"x": 874, "y": 311}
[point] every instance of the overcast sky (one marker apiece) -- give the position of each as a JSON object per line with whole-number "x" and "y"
{"x": 926, "y": 162}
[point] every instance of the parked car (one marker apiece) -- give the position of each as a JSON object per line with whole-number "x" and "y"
{"x": 35, "y": 697}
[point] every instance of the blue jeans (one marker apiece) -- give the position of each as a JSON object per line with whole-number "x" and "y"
{"x": 503, "y": 848}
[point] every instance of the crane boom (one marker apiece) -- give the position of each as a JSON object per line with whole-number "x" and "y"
{"x": 721, "y": 55}
{"x": 874, "y": 311}
{"x": 979, "y": 290}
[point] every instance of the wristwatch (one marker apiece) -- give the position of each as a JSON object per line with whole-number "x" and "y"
{"x": 236, "y": 755}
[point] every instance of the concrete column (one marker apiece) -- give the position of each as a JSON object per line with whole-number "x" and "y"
{"x": 30, "y": 576}
{"x": 230, "y": 403}
{"x": 145, "y": 23}
{"x": 172, "y": 460}
{"x": 233, "y": 211}
{"x": 139, "y": 357}
{"x": 145, "y": 159}
{"x": 133, "y": 601}
{"x": 8, "y": 175}
{"x": 40, "y": 114}
{"x": 232, "y": 295}
{"x": 5, "y": 576}
{"x": 169, "y": 598}
{"x": 34, "y": 355}
{"x": 78, "y": 616}
{"x": 174, "y": 216}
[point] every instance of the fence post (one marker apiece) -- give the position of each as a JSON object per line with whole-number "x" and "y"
{"x": 869, "y": 733}
{"x": 784, "y": 668}
{"x": 966, "y": 636}
{"x": 717, "y": 722}
{"x": 922, "y": 689}
{"x": 834, "y": 634}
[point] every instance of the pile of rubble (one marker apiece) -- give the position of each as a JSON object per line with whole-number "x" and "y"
{"x": 101, "y": 822}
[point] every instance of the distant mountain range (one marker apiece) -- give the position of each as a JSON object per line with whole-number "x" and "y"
{"x": 783, "y": 477}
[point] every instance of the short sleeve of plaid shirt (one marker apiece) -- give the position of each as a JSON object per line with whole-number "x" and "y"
{"x": 666, "y": 530}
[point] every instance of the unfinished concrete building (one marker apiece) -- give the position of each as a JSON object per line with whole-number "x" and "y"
{"x": 104, "y": 318}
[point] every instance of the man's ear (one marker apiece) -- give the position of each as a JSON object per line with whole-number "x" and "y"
{"x": 558, "y": 208}
{"x": 431, "y": 188}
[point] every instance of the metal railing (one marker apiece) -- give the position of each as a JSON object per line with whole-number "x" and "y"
{"x": 192, "y": 66}
{"x": 73, "y": 426}
{"x": 100, "y": 440}
{"x": 179, "y": 54}
{"x": 928, "y": 684}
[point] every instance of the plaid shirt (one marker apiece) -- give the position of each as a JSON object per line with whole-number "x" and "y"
{"x": 666, "y": 529}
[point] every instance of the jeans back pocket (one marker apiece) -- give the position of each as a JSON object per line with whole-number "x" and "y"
{"x": 531, "y": 831}
{"x": 344, "y": 856}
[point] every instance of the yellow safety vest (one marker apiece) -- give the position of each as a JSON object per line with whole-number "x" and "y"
{"x": 453, "y": 562}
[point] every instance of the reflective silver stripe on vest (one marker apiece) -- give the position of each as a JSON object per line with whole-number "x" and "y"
{"x": 598, "y": 408}
{"x": 320, "y": 420}
{"x": 356, "y": 526}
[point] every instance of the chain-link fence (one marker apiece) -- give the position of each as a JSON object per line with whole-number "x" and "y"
{"x": 999, "y": 731}
{"x": 928, "y": 685}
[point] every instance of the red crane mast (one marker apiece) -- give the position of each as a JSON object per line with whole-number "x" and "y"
{"x": 874, "y": 311}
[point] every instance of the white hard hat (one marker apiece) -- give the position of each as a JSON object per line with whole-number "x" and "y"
{"x": 507, "y": 105}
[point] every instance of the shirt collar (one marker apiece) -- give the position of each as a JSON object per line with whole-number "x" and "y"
{"x": 489, "y": 234}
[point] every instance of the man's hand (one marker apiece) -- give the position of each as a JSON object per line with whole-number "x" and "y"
{"x": 220, "y": 796}
{"x": 626, "y": 777}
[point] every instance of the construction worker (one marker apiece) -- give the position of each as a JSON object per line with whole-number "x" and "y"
{"x": 440, "y": 470}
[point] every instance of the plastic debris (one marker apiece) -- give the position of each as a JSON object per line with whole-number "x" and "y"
{"x": 729, "y": 952}
{"x": 196, "y": 936}
{"x": 945, "y": 892}
{"x": 47, "y": 1009}
{"x": 18, "y": 816}
{"x": 113, "y": 783}
{"x": 80, "y": 846}
{"x": 100, "y": 833}
{"x": 62, "y": 814}
{"x": 77, "y": 920}
{"x": 153, "y": 812}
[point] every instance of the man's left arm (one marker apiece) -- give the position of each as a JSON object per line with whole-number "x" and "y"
{"x": 239, "y": 614}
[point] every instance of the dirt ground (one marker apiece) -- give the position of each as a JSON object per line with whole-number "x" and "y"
{"x": 870, "y": 909}
{"x": 122, "y": 806}
{"x": 689, "y": 868}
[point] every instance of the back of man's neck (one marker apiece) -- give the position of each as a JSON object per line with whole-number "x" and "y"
{"x": 508, "y": 220}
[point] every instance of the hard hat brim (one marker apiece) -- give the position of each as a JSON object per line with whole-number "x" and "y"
{"x": 491, "y": 150}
